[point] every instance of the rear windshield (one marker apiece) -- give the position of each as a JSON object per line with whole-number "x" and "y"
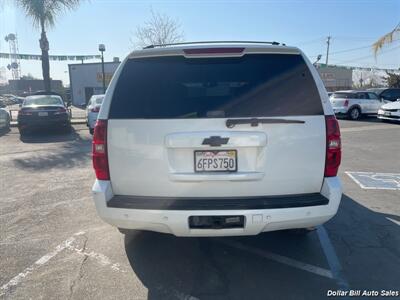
{"x": 345, "y": 95}
{"x": 249, "y": 86}
{"x": 45, "y": 100}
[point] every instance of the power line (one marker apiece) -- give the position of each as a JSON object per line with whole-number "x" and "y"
{"x": 369, "y": 56}
{"x": 351, "y": 49}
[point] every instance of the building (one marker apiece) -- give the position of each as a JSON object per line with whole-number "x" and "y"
{"x": 87, "y": 80}
{"x": 335, "y": 77}
{"x": 24, "y": 87}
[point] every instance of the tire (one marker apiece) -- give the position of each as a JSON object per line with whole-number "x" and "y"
{"x": 67, "y": 129}
{"x": 354, "y": 113}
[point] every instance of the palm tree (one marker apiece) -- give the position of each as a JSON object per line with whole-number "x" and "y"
{"x": 43, "y": 14}
{"x": 386, "y": 39}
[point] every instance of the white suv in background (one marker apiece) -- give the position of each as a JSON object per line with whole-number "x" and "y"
{"x": 92, "y": 111}
{"x": 354, "y": 104}
{"x": 216, "y": 139}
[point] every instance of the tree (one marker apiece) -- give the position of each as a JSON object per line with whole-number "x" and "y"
{"x": 393, "y": 80}
{"x": 388, "y": 38}
{"x": 160, "y": 29}
{"x": 28, "y": 76}
{"x": 43, "y": 14}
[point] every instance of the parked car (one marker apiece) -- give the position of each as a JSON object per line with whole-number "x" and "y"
{"x": 354, "y": 104}
{"x": 387, "y": 94}
{"x": 92, "y": 110}
{"x": 390, "y": 111}
{"x": 216, "y": 139}
{"x": 4, "y": 119}
{"x": 43, "y": 111}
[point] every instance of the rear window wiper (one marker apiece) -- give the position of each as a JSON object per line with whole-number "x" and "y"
{"x": 230, "y": 123}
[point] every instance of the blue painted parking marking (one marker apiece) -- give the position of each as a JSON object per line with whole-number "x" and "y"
{"x": 376, "y": 181}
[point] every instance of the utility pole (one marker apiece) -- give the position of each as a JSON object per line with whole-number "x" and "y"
{"x": 328, "y": 41}
{"x": 102, "y": 48}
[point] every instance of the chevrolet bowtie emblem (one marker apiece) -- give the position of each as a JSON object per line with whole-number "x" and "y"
{"x": 215, "y": 141}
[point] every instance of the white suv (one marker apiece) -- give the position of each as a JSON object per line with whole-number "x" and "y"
{"x": 354, "y": 104}
{"x": 216, "y": 139}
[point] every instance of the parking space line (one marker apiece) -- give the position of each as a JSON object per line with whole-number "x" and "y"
{"x": 333, "y": 261}
{"x": 66, "y": 245}
{"x": 281, "y": 259}
{"x": 41, "y": 261}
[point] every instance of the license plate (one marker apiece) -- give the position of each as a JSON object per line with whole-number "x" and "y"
{"x": 387, "y": 113}
{"x": 215, "y": 161}
{"x": 43, "y": 114}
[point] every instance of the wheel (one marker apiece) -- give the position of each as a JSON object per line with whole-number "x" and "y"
{"x": 67, "y": 129}
{"x": 354, "y": 113}
{"x": 91, "y": 130}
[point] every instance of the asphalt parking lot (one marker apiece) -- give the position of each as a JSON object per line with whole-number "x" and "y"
{"x": 53, "y": 245}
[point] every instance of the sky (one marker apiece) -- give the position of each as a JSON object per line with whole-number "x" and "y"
{"x": 353, "y": 25}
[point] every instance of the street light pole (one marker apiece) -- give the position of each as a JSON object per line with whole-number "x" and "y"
{"x": 102, "y": 48}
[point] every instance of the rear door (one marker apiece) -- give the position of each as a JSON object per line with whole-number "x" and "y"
{"x": 375, "y": 103}
{"x": 364, "y": 102}
{"x": 216, "y": 127}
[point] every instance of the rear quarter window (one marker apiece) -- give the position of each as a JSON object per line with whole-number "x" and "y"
{"x": 254, "y": 85}
{"x": 345, "y": 96}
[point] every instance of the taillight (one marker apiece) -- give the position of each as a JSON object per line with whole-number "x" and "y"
{"x": 211, "y": 51}
{"x": 346, "y": 103}
{"x": 95, "y": 109}
{"x": 333, "y": 146}
{"x": 99, "y": 150}
{"x": 24, "y": 113}
{"x": 60, "y": 111}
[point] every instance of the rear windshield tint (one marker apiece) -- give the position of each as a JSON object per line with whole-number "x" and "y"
{"x": 345, "y": 95}
{"x": 249, "y": 86}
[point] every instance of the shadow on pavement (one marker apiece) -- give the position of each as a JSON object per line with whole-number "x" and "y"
{"x": 205, "y": 268}
{"x": 51, "y": 135}
{"x": 75, "y": 151}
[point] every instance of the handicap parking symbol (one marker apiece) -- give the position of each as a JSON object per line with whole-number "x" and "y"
{"x": 376, "y": 181}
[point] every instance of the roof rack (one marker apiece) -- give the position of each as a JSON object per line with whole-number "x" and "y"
{"x": 213, "y": 42}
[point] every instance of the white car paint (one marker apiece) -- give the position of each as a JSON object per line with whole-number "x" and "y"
{"x": 154, "y": 157}
{"x": 366, "y": 102}
{"x": 390, "y": 111}
{"x": 258, "y": 220}
{"x": 92, "y": 110}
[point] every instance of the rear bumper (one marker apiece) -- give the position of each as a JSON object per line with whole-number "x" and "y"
{"x": 261, "y": 214}
{"x": 39, "y": 123}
